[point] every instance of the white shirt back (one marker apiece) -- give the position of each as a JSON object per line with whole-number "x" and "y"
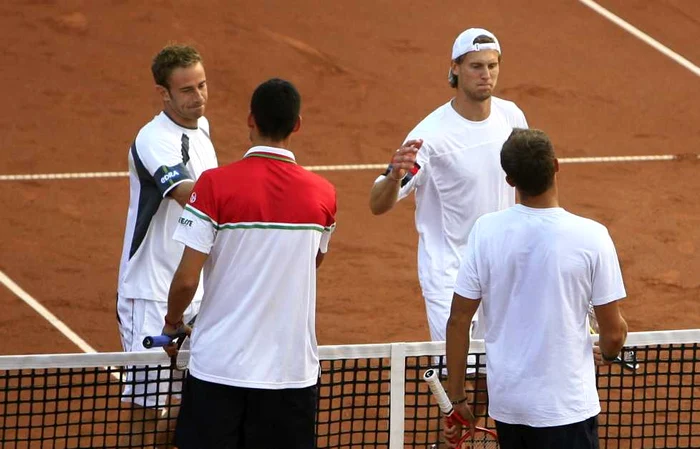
{"x": 163, "y": 155}
{"x": 460, "y": 178}
{"x": 536, "y": 271}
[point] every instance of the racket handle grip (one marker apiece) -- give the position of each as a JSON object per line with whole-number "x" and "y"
{"x": 156, "y": 341}
{"x": 433, "y": 380}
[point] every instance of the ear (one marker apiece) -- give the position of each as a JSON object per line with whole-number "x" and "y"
{"x": 163, "y": 92}
{"x": 454, "y": 67}
{"x": 251, "y": 120}
{"x": 297, "y": 125}
{"x": 510, "y": 181}
{"x": 556, "y": 165}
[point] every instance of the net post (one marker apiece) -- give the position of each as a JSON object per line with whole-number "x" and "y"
{"x": 398, "y": 389}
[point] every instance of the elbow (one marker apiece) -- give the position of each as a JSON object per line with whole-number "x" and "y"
{"x": 616, "y": 338}
{"x": 375, "y": 210}
{"x": 186, "y": 286}
{"x": 377, "y": 207}
{"x": 458, "y": 323}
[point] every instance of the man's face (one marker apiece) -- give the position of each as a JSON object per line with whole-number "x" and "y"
{"x": 478, "y": 74}
{"x": 187, "y": 95}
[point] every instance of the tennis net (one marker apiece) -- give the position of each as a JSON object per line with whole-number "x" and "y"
{"x": 370, "y": 396}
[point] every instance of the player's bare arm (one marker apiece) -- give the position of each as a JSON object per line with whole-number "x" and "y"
{"x": 385, "y": 192}
{"x": 181, "y": 192}
{"x": 461, "y": 313}
{"x": 184, "y": 286}
{"x": 612, "y": 328}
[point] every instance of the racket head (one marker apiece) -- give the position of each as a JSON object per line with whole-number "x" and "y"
{"x": 181, "y": 360}
{"x": 481, "y": 439}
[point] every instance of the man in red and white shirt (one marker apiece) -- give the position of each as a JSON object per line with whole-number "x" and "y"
{"x": 259, "y": 227}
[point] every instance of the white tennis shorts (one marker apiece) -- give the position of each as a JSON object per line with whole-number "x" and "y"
{"x": 139, "y": 318}
{"x": 438, "y": 311}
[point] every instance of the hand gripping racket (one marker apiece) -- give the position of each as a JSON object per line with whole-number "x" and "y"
{"x": 628, "y": 357}
{"x": 481, "y": 439}
{"x": 178, "y": 361}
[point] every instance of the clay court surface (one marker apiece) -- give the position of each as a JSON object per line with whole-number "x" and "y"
{"x": 76, "y": 87}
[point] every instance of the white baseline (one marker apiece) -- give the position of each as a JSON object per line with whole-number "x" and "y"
{"x": 642, "y": 36}
{"x": 352, "y": 167}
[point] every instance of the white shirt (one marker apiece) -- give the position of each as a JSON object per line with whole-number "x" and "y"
{"x": 262, "y": 220}
{"x": 535, "y": 271}
{"x": 459, "y": 179}
{"x": 163, "y": 155}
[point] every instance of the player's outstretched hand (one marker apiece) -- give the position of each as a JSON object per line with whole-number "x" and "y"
{"x": 404, "y": 158}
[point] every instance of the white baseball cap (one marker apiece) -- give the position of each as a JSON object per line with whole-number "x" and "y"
{"x": 465, "y": 42}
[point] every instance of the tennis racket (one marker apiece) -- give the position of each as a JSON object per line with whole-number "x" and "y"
{"x": 628, "y": 358}
{"x": 182, "y": 342}
{"x": 481, "y": 439}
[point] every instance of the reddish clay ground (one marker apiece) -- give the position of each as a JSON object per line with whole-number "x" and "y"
{"x": 76, "y": 87}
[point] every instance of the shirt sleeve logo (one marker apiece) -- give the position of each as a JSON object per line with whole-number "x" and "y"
{"x": 193, "y": 197}
{"x": 168, "y": 176}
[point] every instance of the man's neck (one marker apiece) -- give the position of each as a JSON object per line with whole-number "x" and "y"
{"x": 181, "y": 121}
{"x": 547, "y": 200}
{"x": 259, "y": 141}
{"x": 472, "y": 110}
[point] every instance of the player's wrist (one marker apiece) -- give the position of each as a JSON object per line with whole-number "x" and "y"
{"x": 461, "y": 400}
{"x": 176, "y": 323}
{"x": 608, "y": 358}
{"x": 394, "y": 178}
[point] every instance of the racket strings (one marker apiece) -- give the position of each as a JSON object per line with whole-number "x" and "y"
{"x": 480, "y": 440}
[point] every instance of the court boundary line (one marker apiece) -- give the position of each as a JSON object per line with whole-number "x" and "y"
{"x": 354, "y": 167}
{"x": 642, "y": 36}
{"x": 46, "y": 314}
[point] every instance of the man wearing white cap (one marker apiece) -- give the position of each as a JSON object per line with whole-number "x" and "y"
{"x": 451, "y": 160}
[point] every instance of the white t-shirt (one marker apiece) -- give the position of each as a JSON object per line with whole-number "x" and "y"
{"x": 458, "y": 178}
{"x": 163, "y": 155}
{"x": 262, "y": 220}
{"x": 535, "y": 271}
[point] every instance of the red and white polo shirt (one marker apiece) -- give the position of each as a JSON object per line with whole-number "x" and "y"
{"x": 262, "y": 220}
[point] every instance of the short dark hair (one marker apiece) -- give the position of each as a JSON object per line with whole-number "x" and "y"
{"x": 275, "y": 107}
{"x": 482, "y": 39}
{"x": 170, "y": 58}
{"x": 528, "y": 158}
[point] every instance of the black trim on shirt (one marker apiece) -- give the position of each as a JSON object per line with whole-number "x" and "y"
{"x": 185, "y": 148}
{"x": 149, "y": 201}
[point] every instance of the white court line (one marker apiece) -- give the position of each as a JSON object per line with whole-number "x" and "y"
{"x": 54, "y": 321}
{"x": 44, "y": 312}
{"x": 350, "y": 167}
{"x": 642, "y": 36}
